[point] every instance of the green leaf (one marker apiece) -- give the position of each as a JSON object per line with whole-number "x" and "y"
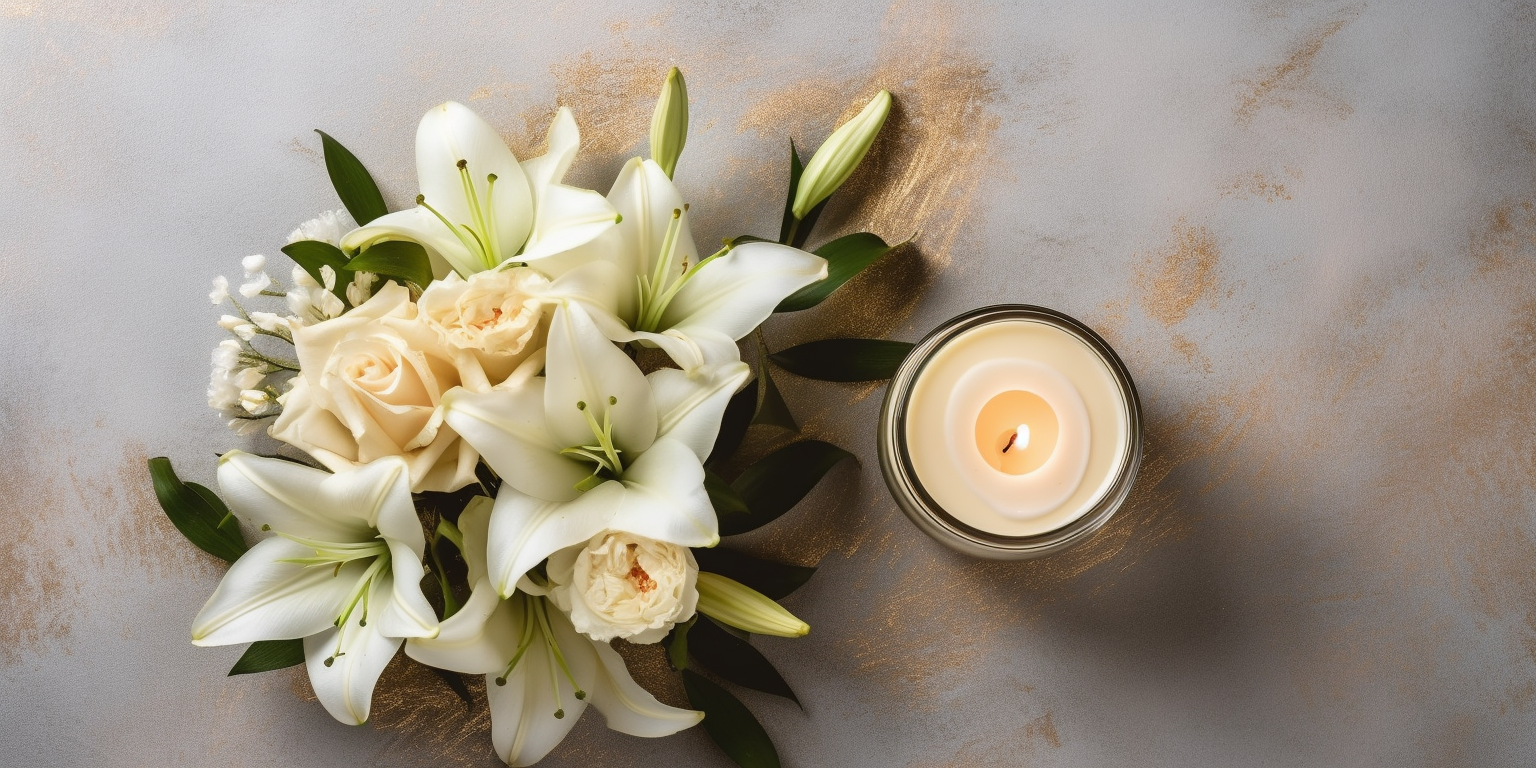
{"x": 267, "y": 655}
{"x": 402, "y": 260}
{"x": 314, "y": 254}
{"x": 728, "y": 505}
{"x": 775, "y": 580}
{"x": 771, "y": 408}
{"x": 779, "y": 481}
{"x": 787, "y": 226}
{"x": 353, "y": 184}
{"x": 730, "y": 723}
{"x": 736, "y": 661}
{"x": 677, "y": 643}
{"x": 792, "y": 232}
{"x": 198, "y": 514}
{"x": 733, "y": 425}
{"x": 844, "y": 359}
{"x": 739, "y": 239}
{"x": 846, "y": 256}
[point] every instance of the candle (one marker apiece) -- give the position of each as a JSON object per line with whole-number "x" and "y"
{"x": 1011, "y": 431}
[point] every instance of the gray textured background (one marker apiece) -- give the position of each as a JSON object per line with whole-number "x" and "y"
{"x": 1307, "y": 227}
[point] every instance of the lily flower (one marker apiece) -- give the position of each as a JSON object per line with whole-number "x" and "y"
{"x": 342, "y": 571}
{"x": 540, "y": 673}
{"x": 693, "y": 308}
{"x": 479, "y": 207}
{"x": 594, "y": 445}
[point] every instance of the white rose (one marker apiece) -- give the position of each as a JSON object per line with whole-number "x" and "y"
{"x": 498, "y": 315}
{"x": 370, "y": 385}
{"x": 623, "y": 585}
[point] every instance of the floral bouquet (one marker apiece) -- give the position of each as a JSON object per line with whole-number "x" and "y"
{"x": 506, "y": 408}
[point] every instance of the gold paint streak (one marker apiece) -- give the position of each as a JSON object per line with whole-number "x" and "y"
{"x": 1174, "y": 280}
{"x": 1289, "y": 84}
{"x": 1256, "y": 185}
{"x": 649, "y": 667}
{"x": 922, "y": 175}
{"x": 1191, "y": 353}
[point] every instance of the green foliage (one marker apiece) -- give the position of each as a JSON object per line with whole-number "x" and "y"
{"x": 778, "y": 482}
{"x": 776, "y": 580}
{"x": 736, "y": 661}
{"x": 267, "y": 655}
{"x": 311, "y": 255}
{"x": 729, "y": 723}
{"x": 197, "y": 513}
{"x": 404, "y": 261}
{"x": 352, "y": 181}
{"x": 846, "y": 256}
{"x": 844, "y": 359}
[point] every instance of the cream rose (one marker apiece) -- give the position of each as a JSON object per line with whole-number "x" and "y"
{"x": 623, "y": 585}
{"x": 370, "y": 385}
{"x": 497, "y": 315}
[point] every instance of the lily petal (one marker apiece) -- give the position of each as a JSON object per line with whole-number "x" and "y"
{"x": 475, "y": 527}
{"x": 478, "y": 640}
{"x": 646, "y": 197}
{"x": 417, "y": 225}
{"x": 583, "y": 366}
{"x": 524, "y": 728}
{"x": 563, "y": 140}
{"x": 566, "y": 218}
{"x": 738, "y": 291}
{"x": 690, "y": 405}
{"x": 525, "y": 530}
{"x": 452, "y": 132}
{"x": 404, "y": 610}
{"x": 630, "y": 709}
{"x": 284, "y": 496}
{"x": 345, "y": 686}
{"x": 508, "y": 428}
{"x": 263, "y": 598}
{"x": 665, "y": 499}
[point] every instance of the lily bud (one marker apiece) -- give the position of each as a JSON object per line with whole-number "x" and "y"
{"x": 842, "y": 152}
{"x": 669, "y": 123}
{"x": 745, "y": 608}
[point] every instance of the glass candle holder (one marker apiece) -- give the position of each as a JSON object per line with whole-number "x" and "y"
{"x": 1010, "y": 432}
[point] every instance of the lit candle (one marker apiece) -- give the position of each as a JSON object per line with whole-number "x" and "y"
{"x": 1011, "y": 431}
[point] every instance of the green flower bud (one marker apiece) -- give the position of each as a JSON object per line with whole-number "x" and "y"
{"x": 842, "y": 152}
{"x": 745, "y": 608}
{"x": 669, "y": 123}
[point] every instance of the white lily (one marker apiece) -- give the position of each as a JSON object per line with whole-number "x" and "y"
{"x": 693, "y": 308}
{"x": 594, "y": 445}
{"x": 342, "y": 571}
{"x": 479, "y": 207}
{"x": 540, "y": 674}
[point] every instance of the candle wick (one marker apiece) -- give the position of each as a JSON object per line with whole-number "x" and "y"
{"x": 1011, "y": 439}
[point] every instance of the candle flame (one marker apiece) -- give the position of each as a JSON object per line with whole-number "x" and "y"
{"x": 1020, "y": 438}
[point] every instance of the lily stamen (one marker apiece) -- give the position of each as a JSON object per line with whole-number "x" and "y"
{"x": 472, "y": 245}
{"x": 542, "y": 611}
{"x": 522, "y": 645}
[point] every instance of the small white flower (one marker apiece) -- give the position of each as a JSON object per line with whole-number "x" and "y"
{"x": 328, "y": 277}
{"x": 230, "y": 322}
{"x": 268, "y": 321}
{"x": 245, "y": 331}
{"x": 302, "y": 278}
{"x": 247, "y": 378}
{"x": 254, "y": 264}
{"x": 244, "y": 427}
{"x": 361, "y": 287}
{"x": 220, "y": 292}
{"x": 254, "y": 401}
{"x": 255, "y": 286}
{"x": 328, "y": 227}
{"x": 226, "y": 356}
